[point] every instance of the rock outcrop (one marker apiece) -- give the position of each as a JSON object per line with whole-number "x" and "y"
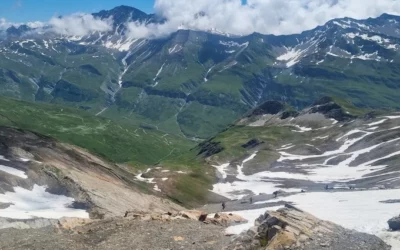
{"x": 394, "y": 223}
{"x": 102, "y": 188}
{"x": 63, "y": 223}
{"x": 328, "y": 107}
{"x": 291, "y": 228}
{"x": 219, "y": 219}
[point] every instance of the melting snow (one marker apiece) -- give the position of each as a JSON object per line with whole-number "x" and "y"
{"x": 393, "y": 117}
{"x": 27, "y": 204}
{"x": 175, "y": 49}
{"x": 13, "y": 171}
{"x": 255, "y": 184}
{"x": 302, "y": 129}
{"x": 222, "y": 170}
{"x": 291, "y": 57}
{"x": 156, "y": 188}
{"x": 3, "y": 158}
{"x": 159, "y": 72}
{"x": 361, "y": 211}
{"x": 344, "y": 26}
{"x": 121, "y": 45}
{"x": 376, "y": 123}
{"x": 233, "y": 44}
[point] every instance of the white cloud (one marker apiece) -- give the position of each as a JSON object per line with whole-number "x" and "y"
{"x": 79, "y": 24}
{"x": 4, "y": 24}
{"x": 263, "y": 16}
{"x": 35, "y": 24}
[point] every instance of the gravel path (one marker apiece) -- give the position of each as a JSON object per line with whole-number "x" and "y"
{"x": 120, "y": 234}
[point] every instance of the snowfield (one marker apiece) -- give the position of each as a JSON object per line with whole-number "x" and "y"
{"x": 361, "y": 211}
{"x": 355, "y": 155}
{"x": 28, "y": 204}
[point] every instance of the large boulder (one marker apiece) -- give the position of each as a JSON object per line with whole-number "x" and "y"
{"x": 394, "y": 223}
{"x": 291, "y": 228}
{"x": 191, "y": 214}
{"x": 226, "y": 220}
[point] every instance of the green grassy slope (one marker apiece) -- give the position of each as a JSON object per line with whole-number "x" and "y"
{"x": 115, "y": 142}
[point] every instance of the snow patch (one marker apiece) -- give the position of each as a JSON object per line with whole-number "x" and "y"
{"x": 13, "y": 171}
{"x": 159, "y": 72}
{"x": 376, "y": 123}
{"x": 222, "y": 170}
{"x": 28, "y": 204}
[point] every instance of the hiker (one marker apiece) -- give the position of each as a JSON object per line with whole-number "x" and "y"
{"x": 223, "y": 205}
{"x": 326, "y": 187}
{"x": 303, "y": 191}
{"x": 275, "y": 194}
{"x": 251, "y": 200}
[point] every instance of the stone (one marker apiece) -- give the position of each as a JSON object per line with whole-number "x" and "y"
{"x": 226, "y": 220}
{"x": 178, "y": 238}
{"x": 71, "y": 223}
{"x": 394, "y": 223}
{"x": 191, "y": 214}
{"x": 292, "y": 228}
{"x": 273, "y": 231}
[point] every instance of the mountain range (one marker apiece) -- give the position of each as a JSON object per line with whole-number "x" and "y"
{"x": 194, "y": 83}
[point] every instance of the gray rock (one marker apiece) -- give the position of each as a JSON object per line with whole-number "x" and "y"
{"x": 394, "y": 223}
{"x": 390, "y": 201}
{"x": 291, "y": 228}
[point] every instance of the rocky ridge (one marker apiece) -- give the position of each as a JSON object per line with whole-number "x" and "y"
{"x": 291, "y": 228}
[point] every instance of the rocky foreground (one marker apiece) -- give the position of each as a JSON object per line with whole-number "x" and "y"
{"x": 291, "y": 228}
{"x": 288, "y": 228}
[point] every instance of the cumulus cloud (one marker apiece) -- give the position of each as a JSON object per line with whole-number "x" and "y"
{"x": 4, "y": 24}
{"x": 79, "y": 24}
{"x": 263, "y": 16}
{"x": 35, "y": 24}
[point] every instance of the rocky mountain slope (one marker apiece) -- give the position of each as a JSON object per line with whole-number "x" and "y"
{"x": 49, "y": 172}
{"x": 194, "y": 83}
{"x": 327, "y": 158}
{"x": 326, "y": 143}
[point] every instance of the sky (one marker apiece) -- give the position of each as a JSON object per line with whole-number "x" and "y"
{"x": 239, "y": 17}
{"x": 18, "y": 11}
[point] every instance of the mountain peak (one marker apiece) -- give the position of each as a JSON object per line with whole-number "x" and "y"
{"x": 122, "y": 14}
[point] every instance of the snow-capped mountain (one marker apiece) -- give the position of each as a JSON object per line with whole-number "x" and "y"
{"x": 194, "y": 83}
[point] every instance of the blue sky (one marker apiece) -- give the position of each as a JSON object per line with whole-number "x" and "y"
{"x": 43, "y": 10}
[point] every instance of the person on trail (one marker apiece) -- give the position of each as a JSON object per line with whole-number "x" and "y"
{"x": 223, "y": 205}
{"x": 251, "y": 200}
{"x": 275, "y": 194}
{"x": 326, "y": 187}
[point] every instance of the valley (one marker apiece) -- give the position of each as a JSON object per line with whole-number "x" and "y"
{"x": 199, "y": 139}
{"x": 203, "y": 81}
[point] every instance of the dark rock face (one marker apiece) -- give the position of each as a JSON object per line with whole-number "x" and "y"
{"x": 252, "y": 144}
{"x": 288, "y": 114}
{"x": 394, "y": 223}
{"x": 209, "y": 148}
{"x": 268, "y": 108}
{"x": 324, "y": 100}
{"x": 330, "y": 109}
